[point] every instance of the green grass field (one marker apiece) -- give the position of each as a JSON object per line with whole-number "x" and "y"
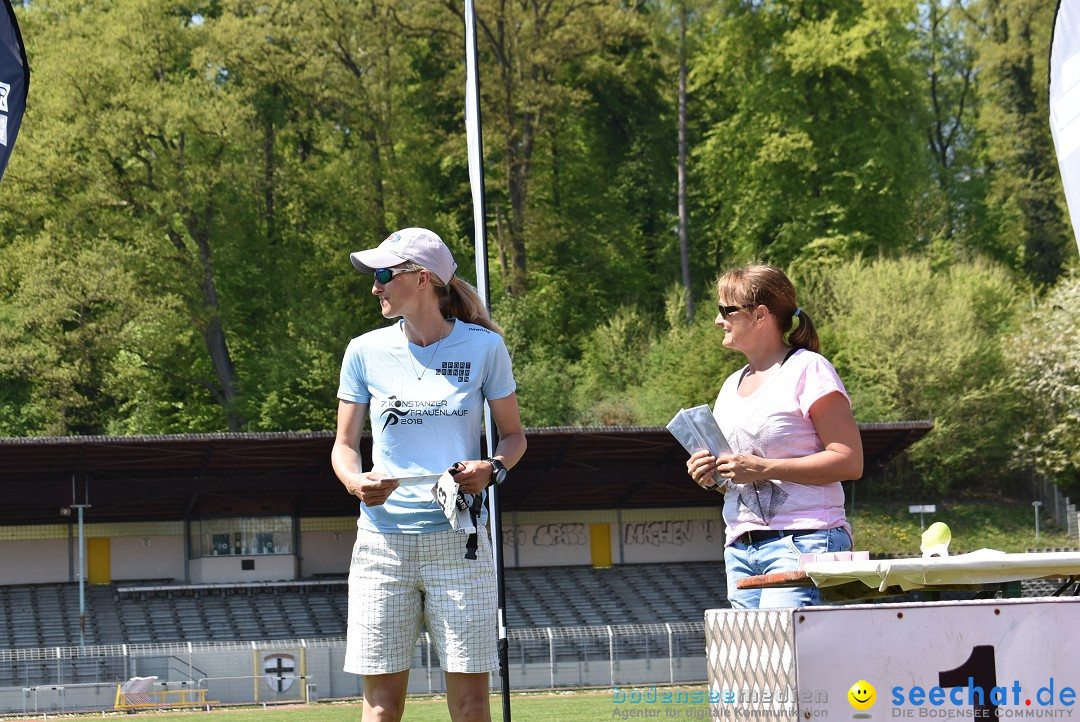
{"x": 886, "y": 528}
{"x": 568, "y": 706}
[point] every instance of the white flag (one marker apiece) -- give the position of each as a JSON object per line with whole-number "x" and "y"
{"x": 476, "y": 149}
{"x": 1065, "y": 103}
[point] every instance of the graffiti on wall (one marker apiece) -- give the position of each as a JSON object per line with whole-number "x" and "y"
{"x": 661, "y": 533}
{"x": 647, "y": 533}
{"x": 513, "y": 536}
{"x": 547, "y": 535}
{"x": 552, "y": 535}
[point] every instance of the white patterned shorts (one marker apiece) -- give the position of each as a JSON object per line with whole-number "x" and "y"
{"x": 400, "y": 582}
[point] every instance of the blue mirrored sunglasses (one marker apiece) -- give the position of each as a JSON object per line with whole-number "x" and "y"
{"x": 385, "y": 275}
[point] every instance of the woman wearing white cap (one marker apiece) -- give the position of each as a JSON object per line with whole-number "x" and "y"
{"x": 422, "y": 383}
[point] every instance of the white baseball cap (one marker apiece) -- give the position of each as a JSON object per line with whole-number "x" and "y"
{"x": 417, "y": 245}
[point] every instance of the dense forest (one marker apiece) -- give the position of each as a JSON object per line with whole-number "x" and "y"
{"x": 192, "y": 174}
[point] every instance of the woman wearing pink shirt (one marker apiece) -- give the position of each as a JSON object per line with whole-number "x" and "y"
{"x": 788, "y": 420}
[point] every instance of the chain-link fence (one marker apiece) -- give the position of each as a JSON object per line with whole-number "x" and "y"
{"x": 1056, "y": 505}
{"x": 73, "y": 679}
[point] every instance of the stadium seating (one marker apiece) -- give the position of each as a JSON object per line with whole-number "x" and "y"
{"x": 631, "y": 594}
{"x": 47, "y": 615}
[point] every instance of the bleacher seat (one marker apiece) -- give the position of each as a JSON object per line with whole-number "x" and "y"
{"x": 33, "y": 616}
{"x": 629, "y": 594}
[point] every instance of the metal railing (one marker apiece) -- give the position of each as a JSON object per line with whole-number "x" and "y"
{"x": 1056, "y": 505}
{"x": 74, "y": 679}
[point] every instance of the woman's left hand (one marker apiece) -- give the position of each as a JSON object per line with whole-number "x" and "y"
{"x": 741, "y": 468}
{"x": 473, "y": 476}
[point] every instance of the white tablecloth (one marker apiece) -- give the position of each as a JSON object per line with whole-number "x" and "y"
{"x": 985, "y": 566}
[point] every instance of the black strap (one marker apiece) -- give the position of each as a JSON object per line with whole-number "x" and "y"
{"x": 747, "y": 369}
{"x": 474, "y": 510}
{"x": 474, "y": 513}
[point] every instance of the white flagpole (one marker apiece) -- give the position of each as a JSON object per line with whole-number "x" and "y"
{"x": 1065, "y": 103}
{"x": 476, "y": 182}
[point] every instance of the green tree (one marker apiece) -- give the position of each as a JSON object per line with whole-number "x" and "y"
{"x": 529, "y": 53}
{"x": 127, "y": 136}
{"x": 675, "y": 27}
{"x": 685, "y": 366}
{"x": 234, "y": 154}
{"x": 950, "y": 219}
{"x": 610, "y": 364}
{"x": 813, "y": 142}
{"x": 342, "y": 137}
{"x": 1029, "y": 227}
{"x": 910, "y": 343}
{"x": 1045, "y": 363}
{"x": 600, "y": 212}
{"x": 63, "y": 318}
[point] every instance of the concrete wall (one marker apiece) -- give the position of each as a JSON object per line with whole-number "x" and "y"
{"x": 266, "y": 568}
{"x": 28, "y": 561}
{"x": 46, "y": 554}
{"x": 146, "y": 557}
{"x": 326, "y": 552}
{"x": 636, "y": 542}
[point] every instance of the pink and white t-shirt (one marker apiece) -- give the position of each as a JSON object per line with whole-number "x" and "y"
{"x": 774, "y": 423}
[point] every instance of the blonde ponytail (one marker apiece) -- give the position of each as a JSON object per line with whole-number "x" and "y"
{"x": 459, "y": 299}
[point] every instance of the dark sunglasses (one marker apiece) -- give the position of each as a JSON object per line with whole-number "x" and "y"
{"x": 726, "y": 311}
{"x": 386, "y": 275}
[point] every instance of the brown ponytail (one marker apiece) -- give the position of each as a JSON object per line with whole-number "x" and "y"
{"x": 805, "y": 335}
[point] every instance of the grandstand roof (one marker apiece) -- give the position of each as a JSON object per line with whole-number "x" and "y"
{"x": 149, "y": 478}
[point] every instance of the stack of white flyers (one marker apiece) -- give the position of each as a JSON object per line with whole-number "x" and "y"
{"x": 406, "y": 481}
{"x": 696, "y": 429}
{"x": 454, "y": 504}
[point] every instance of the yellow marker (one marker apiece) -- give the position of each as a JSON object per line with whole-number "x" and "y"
{"x": 935, "y": 540}
{"x": 862, "y": 695}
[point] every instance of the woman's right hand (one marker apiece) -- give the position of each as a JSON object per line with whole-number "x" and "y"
{"x": 371, "y": 487}
{"x": 701, "y": 466}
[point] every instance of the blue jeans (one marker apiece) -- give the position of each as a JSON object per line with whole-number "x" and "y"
{"x": 778, "y": 555}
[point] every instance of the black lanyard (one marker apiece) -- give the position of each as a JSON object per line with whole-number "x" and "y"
{"x": 747, "y": 369}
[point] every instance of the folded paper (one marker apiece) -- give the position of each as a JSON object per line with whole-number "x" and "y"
{"x": 696, "y": 429}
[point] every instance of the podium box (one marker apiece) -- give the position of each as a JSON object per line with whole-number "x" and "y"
{"x": 978, "y": 659}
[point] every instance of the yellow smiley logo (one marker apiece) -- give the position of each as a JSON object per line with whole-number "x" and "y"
{"x": 862, "y": 695}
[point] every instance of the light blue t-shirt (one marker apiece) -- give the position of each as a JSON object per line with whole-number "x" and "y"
{"x": 422, "y": 425}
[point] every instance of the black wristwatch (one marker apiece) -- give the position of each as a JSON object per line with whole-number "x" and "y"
{"x": 498, "y": 470}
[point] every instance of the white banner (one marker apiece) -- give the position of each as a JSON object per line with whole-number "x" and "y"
{"x": 1065, "y": 103}
{"x": 476, "y": 149}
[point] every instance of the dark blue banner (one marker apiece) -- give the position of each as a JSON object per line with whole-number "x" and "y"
{"x": 14, "y": 82}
